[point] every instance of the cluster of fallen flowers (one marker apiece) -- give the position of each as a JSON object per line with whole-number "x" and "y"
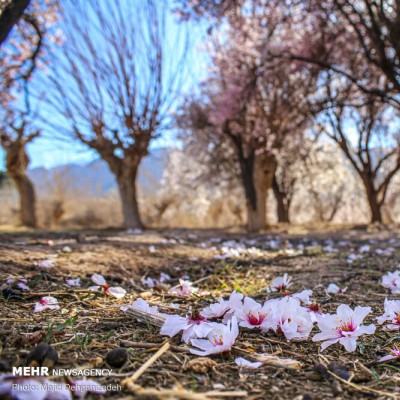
{"x": 51, "y": 303}
{"x": 293, "y": 315}
{"x": 233, "y": 249}
{"x": 185, "y": 288}
{"x": 215, "y": 328}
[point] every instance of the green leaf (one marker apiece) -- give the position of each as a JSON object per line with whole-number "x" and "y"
{"x": 375, "y": 375}
{"x": 67, "y": 323}
{"x": 107, "y": 335}
{"x": 36, "y": 280}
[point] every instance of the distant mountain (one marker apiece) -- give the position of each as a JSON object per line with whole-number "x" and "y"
{"x": 96, "y": 178}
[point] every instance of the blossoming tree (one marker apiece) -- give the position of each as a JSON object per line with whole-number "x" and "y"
{"x": 253, "y": 102}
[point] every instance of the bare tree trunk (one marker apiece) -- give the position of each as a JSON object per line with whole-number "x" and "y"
{"x": 373, "y": 201}
{"x": 127, "y": 189}
{"x": 27, "y": 200}
{"x": 17, "y": 163}
{"x": 257, "y": 175}
{"x": 282, "y": 203}
{"x": 375, "y": 208}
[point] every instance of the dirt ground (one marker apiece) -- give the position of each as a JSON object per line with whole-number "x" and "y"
{"x": 89, "y": 325}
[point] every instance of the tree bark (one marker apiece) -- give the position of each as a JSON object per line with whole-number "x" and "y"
{"x": 17, "y": 163}
{"x": 27, "y": 200}
{"x": 10, "y": 16}
{"x": 282, "y": 203}
{"x": 127, "y": 188}
{"x": 257, "y": 174}
{"x": 375, "y": 207}
{"x": 373, "y": 200}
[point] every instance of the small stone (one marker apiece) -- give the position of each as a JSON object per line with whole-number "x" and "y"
{"x": 42, "y": 355}
{"x": 4, "y": 365}
{"x": 322, "y": 372}
{"x": 81, "y": 238}
{"x": 218, "y": 386}
{"x": 161, "y": 287}
{"x": 117, "y": 357}
{"x": 313, "y": 250}
{"x": 11, "y": 294}
{"x": 340, "y": 370}
{"x": 201, "y": 365}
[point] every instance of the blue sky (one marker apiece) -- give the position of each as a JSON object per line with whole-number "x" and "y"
{"x": 48, "y": 152}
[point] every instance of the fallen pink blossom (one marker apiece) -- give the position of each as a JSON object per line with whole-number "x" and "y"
{"x": 391, "y": 315}
{"x": 117, "y": 292}
{"x": 194, "y": 326}
{"x": 46, "y": 303}
{"x": 344, "y": 327}
{"x": 219, "y": 340}
{"x": 394, "y": 354}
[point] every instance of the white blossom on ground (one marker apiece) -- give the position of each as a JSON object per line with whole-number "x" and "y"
{"x": 242, "y": 362}
{"x": 101, "y": 284}
{"x": 142, "y": 305}
{"x": 134, "y": 231}
{"x": 352, "y": 257}
{"x": 193, "y": 326}
{"x": 291, "y": 319}
{"x": 254, "y": 315}
{"x": 224, "y": 308}
{"x": 149, "y": 282}
{"x": 391, "y": 315}
{"x": 330, "y": 249}
{"x": 280, "y": 284}
{"x": 366, "y": 248}
{"x": 385, "y": 252}
{"x": 219, "y": 340}
{"x": 303, "y": 297}
{"x": 164, "y": 277}
{"x": 394, "y": 353}
{"x": 335, "y": 289}
{"x": 73, "y": 282}
{"x": 19, "y": 282}
{"x": 46, "y": 263}
{"x": 46, "y": 303}
{"x": 392, "y": 281}
{"x": 184, "y": 289}
{"x": 344, "y": 327}
{"x": 314, "y": 310}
